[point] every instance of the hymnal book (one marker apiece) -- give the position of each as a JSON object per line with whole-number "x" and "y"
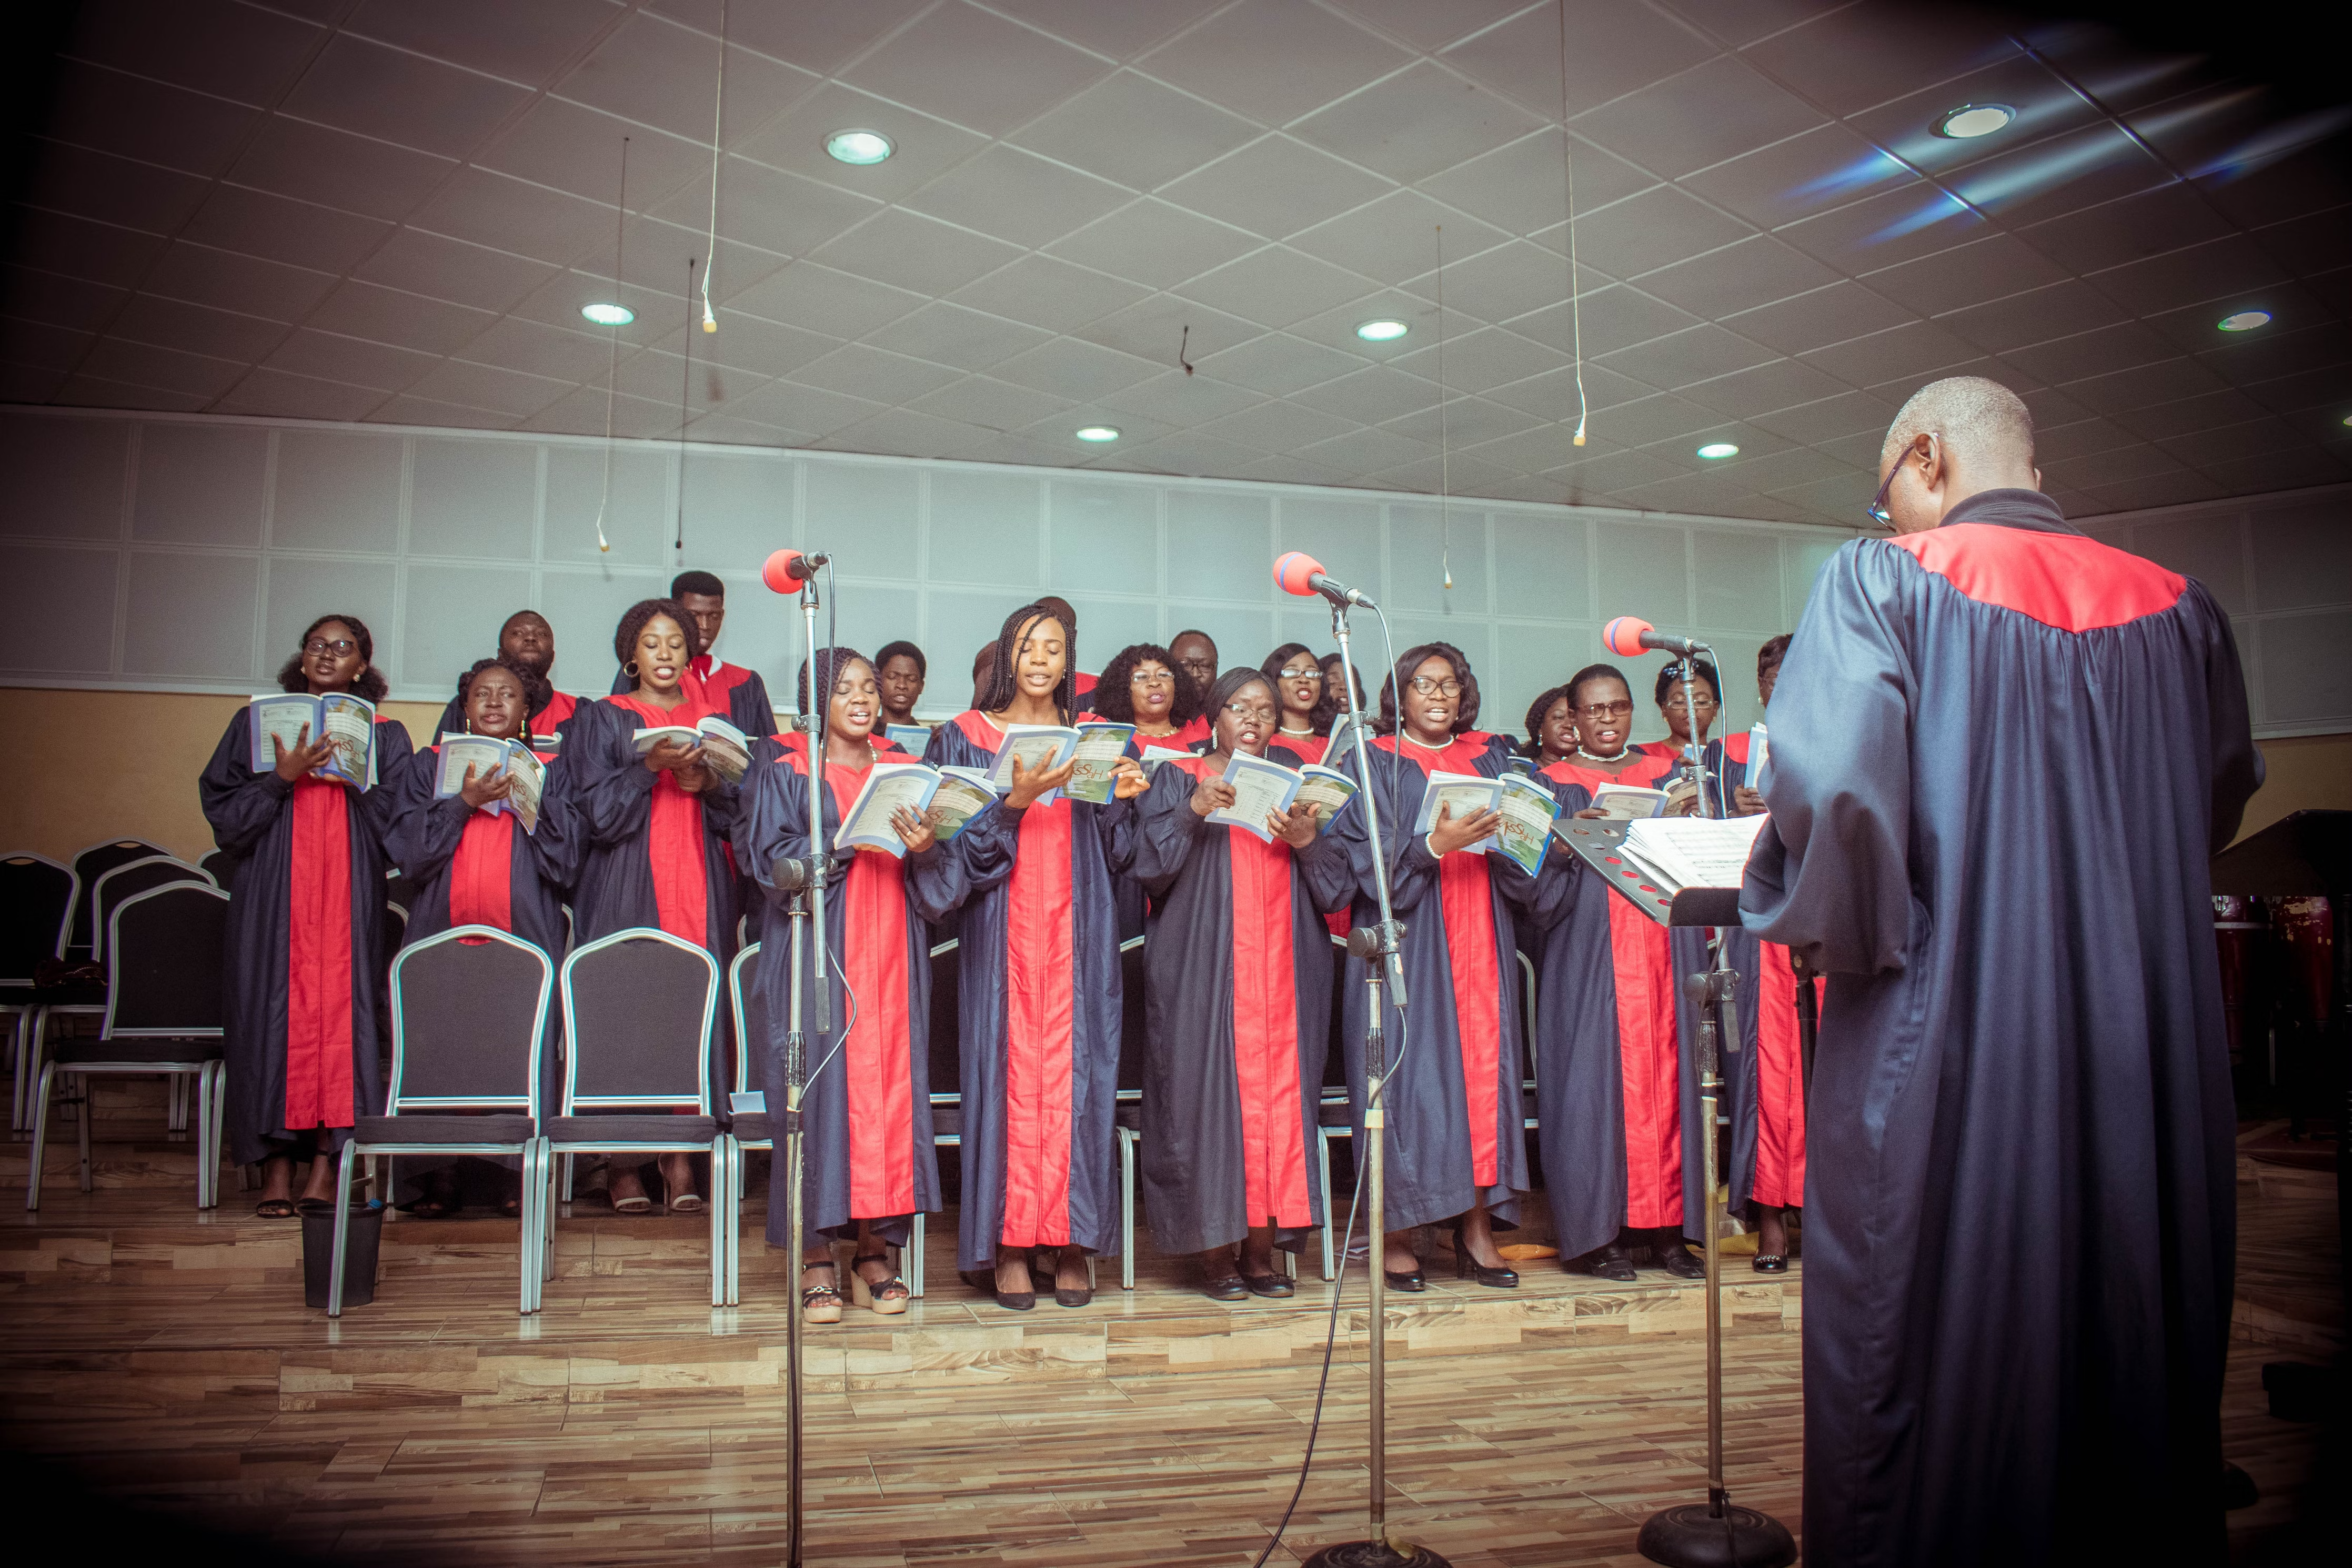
{"x": 1679, "y": 852}
{"x": 1529, "y": 811}
{"x": 951, "y": 796}
{"x": 1101, "y": 744}
{"x": 1462, "y": 795}
{"x": 1623, "y": 803}
{"x": 1343, "y": 736}
{"x": 1262, "y": 788}
{"x": 1038, "y": 746}
{"x": 1155, "y": 755}
{"x": 908, "y": 738}
{"x": 1523, "y": 766}
{"x": 726, "y": 751}
{"x": 1759, "y": 752}
{"x": 348, "y": 721}
{"x": 1325, "y": 789}
{"x": 487, "y": 754}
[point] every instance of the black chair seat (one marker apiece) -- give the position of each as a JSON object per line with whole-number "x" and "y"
{"x": 428, "y": 1128}
{"x": 753, "y": 1127}
{"x": 1342, "y": 1113}
{"x": 20, "y": 995}
{"x": 633, "y": 1128}
{"x": 73, "y": 993}
{"x": 133, "y": 1048}
{"x": 1130, "y": 1116}
{"x": 947, "y": 1121}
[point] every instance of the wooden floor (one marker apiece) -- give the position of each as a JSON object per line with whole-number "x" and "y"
{"x": 166, "y": 1358}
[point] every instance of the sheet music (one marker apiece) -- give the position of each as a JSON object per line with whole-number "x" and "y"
{"x": 1694, "y": 851}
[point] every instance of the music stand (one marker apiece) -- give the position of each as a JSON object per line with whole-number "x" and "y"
{"x": 1717, "y": 1531}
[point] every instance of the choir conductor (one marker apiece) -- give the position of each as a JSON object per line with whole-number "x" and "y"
{"x": 2001, "y": 755}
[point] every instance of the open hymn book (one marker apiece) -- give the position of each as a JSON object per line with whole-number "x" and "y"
{"x": 1262, "y": 788}
{"x": 726, "y": 751}
{"x": 287, "y": 717}
{"x": 1679, "y": 852}
{"x": 1527, "y": 808}
{"x": 951, "y": 796}
{"x": 486, "y": 754}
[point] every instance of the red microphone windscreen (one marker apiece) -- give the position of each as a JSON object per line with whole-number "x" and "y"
{"x": 1623, "y": 637}
{"x": 1292, "y": 572}
{"x": 777, "y": 573}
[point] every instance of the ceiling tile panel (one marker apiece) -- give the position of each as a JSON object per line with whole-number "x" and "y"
{"x": 958, "y": 336}
{"x": 826, "y": 299}
{"x": 1396, "y": 239}
{"x": 1847, "y": 413}
{"x": 657, "y": 73}
{"x": 778, "y": 212}
{"x": 119, "y": 191}
{"x": 1614, "y": 49}
{"x": 96, "y": 392}
{"x": 987, "y": 404}
{"x": 978, "y": 70}
{"x": 499, "y": 390}
{"x": 79, "y": 248}
{"x": 2135, "y": 228}
{"x": 2189, "y": 415}
{"x": 1465, "y": 422}
{"x": 1657, "y": 228}
{"x": 1604, "y": 320}
{"x": 1045, "y": 291}
{"x": 1069, "y": 368}
{"x": 794, "y": 141}
{"x": 355, "y": 361}
{"x": 445, "y": 269}
{"x": 749, "y": 343}
{"x": 540, "y": 350}
{"x": 1806, "y": 174}
{"x": 1918, "y": 349}
{"x": 333, "y": 168}
{"x": 373, "y": 91}
{"x": 859, "y": 370}
{"x": 1174, "y": 400}
{"x": 1274, "y": 187}
{"x": 1018, "y": 196}
{"x": 1522, "y": 189}
{"x": 1279, "y": 427}
{"x": 1118, "y": 28}
{"x": 136, "y": 118}
{"x": 144, "y": 364}
{"x": 392, "y": 316}
{"x": 279, "y": 229}
{"x": 1851, "y": 58}
{"x": 1278, "y": 365}
{"x": 505, "y": 213}
{"x": 1137, "y": 132}
{"x": 1371, "y": 395}
{"x": 1273, "y": 60}
{"x": 577, "y": 149}
{"x": 1479, "y": 362}
{"x": 243, "y": 53}
{"x": 2090, "y": 354}
{"x": 287, "y": 395}
{"x": 911, "y": 251}
{"x": 798, "y": 408}
{"x": 407, "y": 410}
{"x": 1695, "y": 353}
{"x": 1825, "y": 316}
{"x": 68, "y": 301}
{"x": 27, "y": 344}
{"x": 521, "y": 40}
{"x": 1718, "y": 109}
{"x": 1883, "y": 230}
{"x": 815, "y": 35}
{"x": 1275, "y": 286}
{"x": 244, "y": 283}
{"x": 1415, "y": 123}
{"x": 1164, "y": 325}
{"x": 1740, "y": 277}
{"x": 1153, "y": 243}
{"x": 2028, "y": 318}
{"x": 2081, "y": 169}
{"x": 2210, "y": 271}
{"x": 1968, "y": 274}
{"x": 1764, "y": 388}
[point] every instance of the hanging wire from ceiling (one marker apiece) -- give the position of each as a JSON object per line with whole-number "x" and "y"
{"x": 718, "y": 114}
{"x": 613, "y": 366}
{"x": 1444, "y": 444}
{"x": 684, "y": 385}
{"x": 1575, "y": 291}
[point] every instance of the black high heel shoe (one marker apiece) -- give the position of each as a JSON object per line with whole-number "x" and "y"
{"x": 1413, "y": 1283}
{"x": 1466, "y": 1267}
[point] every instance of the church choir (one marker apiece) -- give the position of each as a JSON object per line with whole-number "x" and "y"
{"x": 1241, "y": 973}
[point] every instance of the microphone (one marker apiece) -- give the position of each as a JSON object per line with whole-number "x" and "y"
{"x": 1628, "y": 636}
{"x": 787, "y": 568}
{"x": 1299, "y": 573}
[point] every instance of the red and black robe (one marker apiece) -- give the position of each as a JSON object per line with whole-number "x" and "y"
{"x": 547, "y": 726}
{"x": 303, "y": 994}
{"x": 1039, "y": 999}
{"x": 1237, "y": 1018}
{"x": 716, "y": 686}
{"x": 651, "y": 854}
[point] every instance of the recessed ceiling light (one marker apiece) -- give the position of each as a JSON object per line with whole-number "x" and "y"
{"x": 1715, "y": 451}
{"x": 1973, "y": 120}
{"x": 1386, "y": 330}
{"x": 2347, "y": 419}
{"x": 2244, "y": 321}
{"x": 608, "y": 315}
{"x": 860, "y": 147}
{"x": 1098, "y": 432}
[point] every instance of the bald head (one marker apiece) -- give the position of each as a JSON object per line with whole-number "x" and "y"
{"x": 1954, "y": 439}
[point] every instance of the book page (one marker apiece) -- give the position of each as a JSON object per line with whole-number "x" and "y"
{"x": 909, "y": 738}
{"x": 1695, "y": 851}
{"x": 281, "y": 718}
{"x": 1260, "y": 787}
{"x": 530, "y": 776}
{"x": 1098, "y": 750}
{"x": 1624, "y": 803}
{"x": 889, "y": 788}
{"x": 726, "y": 751}
{"x": 1155, "y": 755}
{"x": 1324, "y": 789}
{"x": 1527, "y": 812}
{"x": 1039, "y": 746}
{"x": 646, "y": 740}
{"x": 485, "y": 755}
{"x": 963, "y": 793}
{"x": 1461, "y": 795}
{"x": 351, "y": 723}
{"x": 1759, "y": 756}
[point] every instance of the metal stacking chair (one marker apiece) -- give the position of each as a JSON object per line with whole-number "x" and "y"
{"x": 745, "y": 1129}
{"x": 639, "y": 1011}
{"x": 947, "y": 1105}
{"x": 37, "y": 899}
{"x": 164, "y": 1010}
{"x": 1333, "y": 1119}
{"x": 217, "y": 864}
{"x": 469, "y": 1016}
{"x": 89, "y": 866}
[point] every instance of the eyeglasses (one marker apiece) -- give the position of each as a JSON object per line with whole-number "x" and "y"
{"x": 1149, "y": 677}
{"x": 1426, "y": 687}
{"x": 1307, "y": 673}
{"x": 1246, "y": 711}
{"x": 1599, "y": 711}
{"x": 342, "y": 647}
{"x": 1877, "y": 509}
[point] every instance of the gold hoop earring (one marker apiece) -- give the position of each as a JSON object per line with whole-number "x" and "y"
{"x": 630, "y": 669}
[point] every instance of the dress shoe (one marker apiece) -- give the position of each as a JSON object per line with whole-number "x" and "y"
{"x": 1232, "y": 1288}
{"x": 1413, "y": 1283}
{"x": 1467, "y": 1266}
{"x": 1680, "y": 1261}
{"x": 1770, "y": 1262}
{"x": 1609, "y": 1262}
{"x": 1273, "y": 1285}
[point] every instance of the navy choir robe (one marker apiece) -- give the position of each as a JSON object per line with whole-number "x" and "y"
{"x": 303, "y": 994}
{"x": 1609, "y": 1067}
{"x": 1236, "y": 1016}
{"x": 1764, "y": 1081}
{"x": 2001, "y": 755}
{"x": 867, "y": 1111}
{"x": 732, "y": 690}
{"x": 1039, "y": 994}
{"x": 547, "y": 726}
{"x": 1457, "y": 1110}
{"x": 651, "y": 854}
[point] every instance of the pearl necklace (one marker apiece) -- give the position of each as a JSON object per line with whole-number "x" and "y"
{"x": 1286, "y": 730}
{"x": 1589, "y": 757}
{"x": 1423, "y": 744}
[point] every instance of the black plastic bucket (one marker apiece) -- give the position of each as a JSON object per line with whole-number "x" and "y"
{"x": 361, "y": 1245}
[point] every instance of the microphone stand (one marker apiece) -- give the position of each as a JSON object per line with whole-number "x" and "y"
{"x": 1718, "y": 1531}
{"x": 1378, "y": 945}
{"x": 807, "y": 914}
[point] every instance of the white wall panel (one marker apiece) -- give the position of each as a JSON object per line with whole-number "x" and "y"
{"x": 1106, "y": 537}
{"x": 1727, "y": 571}
{"x": 1221, "y": 546}
{"x": 1345, "y": 535}
{"x": 1541, "y": 570}
{"x": 985, "y": 527}
{"x": 451, "y": 617}
{"x": 739, "y": 509}
{"x": 872, "y": 504}
{"x": 65, "y": 478}
{"x": 337, "y": 491}
{"x": 200, "y": 484}
{"x": 474, "y": 499}
{"x": 1417, "y": 557}
{"x": 2215, "y": 557}
{"x": 583, "y": 607}
{"x": 62, "y": 620}
{"x": 303, "y": 588}
{"x": 2299, "y": 556}
{"x": 192, "y": 617}
{"x": 1642, "y": 570}
{"x": 2307, "y": 666}
{"x": 637, "y": 518}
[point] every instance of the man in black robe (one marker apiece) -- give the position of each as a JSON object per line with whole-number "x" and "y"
{"x": 2001, "y": 755}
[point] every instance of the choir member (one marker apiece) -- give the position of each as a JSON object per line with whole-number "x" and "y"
{"x": 1039, "y": 984}
{"x": 869, "y": 1160}
{"x": 731, "y": 690}
{"x": 653, "y": 828}
{"x": 1060, "y": 609}
{"x": 525, "y": 641}
{"x": 1195, "y": 653}
{"x": 1457, "y": 1145}
{"x": 899, "y": 670}
{"x": 1675, "y": 702}
{"x": 1767, "y": 1144}
{"x": 1298, "y": 682}
{"x": 1238, "y": 1010}
{"x": 1337, "y": 699}
{"x": 1608, "y": 1066}
{"x": 2002, "y": 757}
{"x": 981, "y": 663}
{"x": 1144, "y": 686}
{"x": 304, "y": 990}
{"x": 1551, "y": 729}
{"x": 471, "y": 864}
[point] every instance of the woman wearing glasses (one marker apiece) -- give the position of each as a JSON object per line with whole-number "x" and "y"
{"x": 306, "y": 939}
{"x": 1144, "y": 686}
{"x": 1608, "y": 1067}
{"x": 1303, "y": 727}
{"x": 1456, "y": 1150}
{"x": 1551, "y": 729}
{"x": 1237, "y": 1010}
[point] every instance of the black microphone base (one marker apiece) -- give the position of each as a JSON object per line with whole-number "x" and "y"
{"x": 1693, "y": 1536}
{"x": 1374, "y": 1555}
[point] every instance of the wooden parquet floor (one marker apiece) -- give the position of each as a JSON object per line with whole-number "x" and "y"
{"x": 166, "y": 1363}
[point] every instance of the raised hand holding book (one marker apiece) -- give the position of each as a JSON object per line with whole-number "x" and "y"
{"x": 1463, "y": 797}
{"x": 1100, "y": 747}
{"x": 1261, "y": 789}
{"x": 726, "y": 750}
{"x": 889, "y": 788}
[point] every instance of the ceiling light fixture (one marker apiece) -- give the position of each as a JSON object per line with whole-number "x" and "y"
{"x": 1715, "y": 451}
{"x": 1098, "y": 432}
{"x": 2244, "y": 321}
{"x": 608, "y": 315}
{"x": 860, "y": 147}
{"x": 1973, "y": 120}
{"x": 1386, "y": 330}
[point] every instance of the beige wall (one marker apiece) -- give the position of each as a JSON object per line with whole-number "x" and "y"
{"x": 89, "y": 765}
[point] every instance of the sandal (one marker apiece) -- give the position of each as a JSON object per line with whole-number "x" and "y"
{"x": 820, "y": 1303}
{"x": 637, "y": 1204}
{"x": 275, "y": 1208}
{"x": 887, "y": 1295}
{"x": 686, "y": 1203}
